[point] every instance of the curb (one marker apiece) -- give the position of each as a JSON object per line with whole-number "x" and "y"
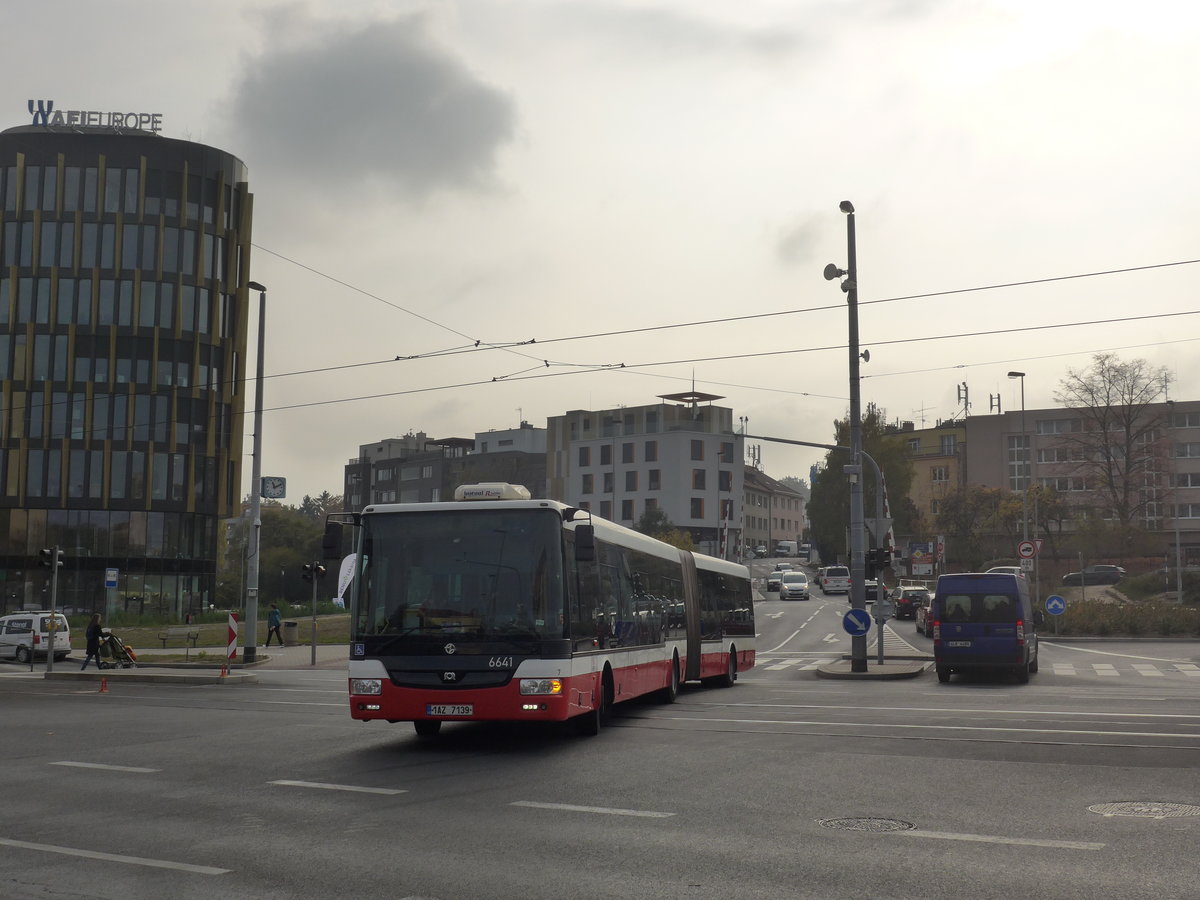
{"x": 909, "y": 667}
{"x": 115, "y": 676}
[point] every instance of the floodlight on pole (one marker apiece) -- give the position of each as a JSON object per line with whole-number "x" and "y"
{"x": 858, "y": 596}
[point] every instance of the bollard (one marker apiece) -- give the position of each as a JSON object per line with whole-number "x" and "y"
{"x": 103, "y": 686}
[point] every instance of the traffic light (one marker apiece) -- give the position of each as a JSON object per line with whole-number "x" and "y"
{"x": 306, "y": 572}
{"x": 883, "y": 557}
{"x": 318, "y": 570}
{"x": 52, "y": 557}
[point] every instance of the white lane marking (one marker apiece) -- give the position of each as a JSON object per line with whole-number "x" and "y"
{"x": 949, "y": 709}
{"x": 1108, "y": 652}
{"x": 778, "y": 615}
{"x": 831, "y": 638}
{"x": 1064, "y": 668}
{"x": 116, "y": 857}
{"x": 969, "y": 728}
{"x": 1188, "y": 668}
{"x": 594, "y": 809}
{"x": 1147, "y": 669}
{"x": 338, "y": 787}
{"x": 994, "y": 839}
{"x": 87, "y": 765}
{"x": 788, "y": 638}
{"x": 1105, "y": 669}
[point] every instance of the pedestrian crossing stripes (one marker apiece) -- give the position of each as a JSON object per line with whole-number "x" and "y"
{"x": 1148, "y": 670}
{"x": 1103, "y": 670}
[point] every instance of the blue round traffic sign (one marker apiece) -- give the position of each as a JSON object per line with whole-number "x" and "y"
{"x": 857, "y": 622}
{"x": 1056, "y": 605}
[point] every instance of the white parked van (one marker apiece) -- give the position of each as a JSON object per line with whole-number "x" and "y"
{"x": 785, "y": 548}
{"x": 26, "y": 635}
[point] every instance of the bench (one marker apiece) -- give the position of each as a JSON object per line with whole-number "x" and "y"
{"x": 179, "y": 632}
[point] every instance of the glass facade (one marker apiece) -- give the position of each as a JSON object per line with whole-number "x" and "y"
{"x": 123, "y": 298}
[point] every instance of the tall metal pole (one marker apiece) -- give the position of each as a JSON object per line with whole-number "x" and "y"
{"x": 250, "y": 636}
{"x": 858, "y": 569}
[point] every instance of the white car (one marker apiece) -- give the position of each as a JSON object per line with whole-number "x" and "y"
{"x": 27, "y": 634}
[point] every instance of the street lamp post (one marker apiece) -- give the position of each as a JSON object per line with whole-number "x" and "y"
{"x": 1025, "y": 463}
{"x": 858, "y": 643}
{"x": 250, "y": 638}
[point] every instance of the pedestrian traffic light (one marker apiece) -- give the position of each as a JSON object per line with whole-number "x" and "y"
{"x": 52, "y": 557}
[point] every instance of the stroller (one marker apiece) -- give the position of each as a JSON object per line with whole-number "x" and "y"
{"x": 115, "y": 653}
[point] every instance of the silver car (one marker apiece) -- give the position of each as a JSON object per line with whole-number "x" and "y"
{"x": 794, "y": 586}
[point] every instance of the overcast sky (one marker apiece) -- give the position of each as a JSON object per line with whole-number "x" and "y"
{"x": 429, "y": 176}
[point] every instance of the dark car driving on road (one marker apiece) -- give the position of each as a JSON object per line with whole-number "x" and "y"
{"x": 1095, "y": 575}
{"x": 907, "y": 599}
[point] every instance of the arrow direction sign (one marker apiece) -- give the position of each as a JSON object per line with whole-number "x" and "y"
{"x": 1056, "y": 605}
{"x": 857, "y": 622}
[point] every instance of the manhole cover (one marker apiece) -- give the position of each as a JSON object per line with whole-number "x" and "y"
{"x": 868, "y": 824}
{"x": 1146, "y": 809}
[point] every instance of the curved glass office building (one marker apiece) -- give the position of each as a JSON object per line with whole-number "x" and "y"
{"x": 122, "y": 361}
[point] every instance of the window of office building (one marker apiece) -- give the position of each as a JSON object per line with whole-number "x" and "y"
{"x": 627, "y": 453}
{"x": 939, "y": 473}
{"x": 698, "y": 450}
{"x": 725, "y": 480}
{"x": 651, "y": 451}
{"x": 697, "y": 509}
{"x": 585, "y": 456}
{"x": 1059, "y": 426}
{"x": 588, "y": 484}
{"x": 606, "y": 509}
{"x": 654, "y": 480}
{"x": 631, "y": 481}
{"x": 626, "y": 510}
{"x": 608, "y": 482}
{"x": 698, "y": 479}
{"x": 606, "y": 454}
{"x": 1019, "y": 467}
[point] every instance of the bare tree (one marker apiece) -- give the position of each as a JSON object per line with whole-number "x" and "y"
{"x": 1120, "y": 444}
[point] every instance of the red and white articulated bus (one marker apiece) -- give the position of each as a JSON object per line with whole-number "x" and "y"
{"x": 502, "y": 608}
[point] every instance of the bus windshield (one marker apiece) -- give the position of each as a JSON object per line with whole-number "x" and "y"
{"x": 468, "y": 574}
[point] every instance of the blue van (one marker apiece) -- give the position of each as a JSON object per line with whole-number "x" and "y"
{"x": 984, "y": 621}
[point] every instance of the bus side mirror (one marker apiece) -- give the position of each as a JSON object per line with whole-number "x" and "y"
{"x": 331, "y": 543}
{"x": 585, "y": 543}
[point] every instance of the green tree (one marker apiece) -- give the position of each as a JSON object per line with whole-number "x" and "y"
{"x": 969, "y": 518}
{"x": 829, "y": 501}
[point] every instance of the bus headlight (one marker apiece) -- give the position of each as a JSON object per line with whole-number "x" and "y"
{"x": 541, "y": 686}
{"x": 366, "y": 686}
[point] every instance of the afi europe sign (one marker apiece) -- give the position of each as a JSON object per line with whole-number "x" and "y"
{"x": 44, "y": 113}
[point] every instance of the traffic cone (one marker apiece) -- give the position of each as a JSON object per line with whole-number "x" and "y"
{"x": 103, "y": 686}
{"x": 224, "y": 670}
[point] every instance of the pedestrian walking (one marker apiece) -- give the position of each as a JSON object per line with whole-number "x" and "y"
{"x": 274, "y": 620}
{"x": 93, "y": 635}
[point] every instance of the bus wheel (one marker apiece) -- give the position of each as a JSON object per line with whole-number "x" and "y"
{"x": 427, "y": 727}
{"x": 730, "y": 675}
{"x": 671, "y": 691}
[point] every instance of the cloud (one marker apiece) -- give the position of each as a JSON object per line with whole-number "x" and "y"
{"x": 376, "y": 104}
{"x": 797, "y": 242}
